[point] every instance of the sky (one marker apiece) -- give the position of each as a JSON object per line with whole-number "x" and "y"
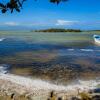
{"x": 41, "y": 14}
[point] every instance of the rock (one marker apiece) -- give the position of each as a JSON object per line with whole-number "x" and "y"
{"x": 96, "y": 97}
{"x": 75, "y": 98}
{"x": 60, "y": 98}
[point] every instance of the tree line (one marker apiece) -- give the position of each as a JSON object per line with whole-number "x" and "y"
{"x": 58, "y": 30}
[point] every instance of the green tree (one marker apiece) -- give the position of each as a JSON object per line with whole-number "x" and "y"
{"x": 17, "y": 5}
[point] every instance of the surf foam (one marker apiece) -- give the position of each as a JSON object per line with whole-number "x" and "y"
{"x": 86, "y": 49}
{"x": 3, "y": 69}
{"x": 36, "y": 84}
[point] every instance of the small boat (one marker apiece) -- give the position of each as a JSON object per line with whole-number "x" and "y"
{"x": 1, "y": 39}
{"x": 96, "y": 38}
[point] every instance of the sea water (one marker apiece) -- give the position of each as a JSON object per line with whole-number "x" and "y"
{"x": 57, "y": 57}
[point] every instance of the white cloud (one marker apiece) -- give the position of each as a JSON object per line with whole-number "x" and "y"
{"x": 31, "y": 24}
{"x": 65, "y": 22}
{"x": 11, "y": 24}
{"x": 21, "y": 24}
{"x": 17, "y": 24}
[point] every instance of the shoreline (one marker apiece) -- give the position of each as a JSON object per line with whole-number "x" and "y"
{"x": 39, "y": 88}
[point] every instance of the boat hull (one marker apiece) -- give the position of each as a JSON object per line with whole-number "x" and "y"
{"x": 97, "y": 38}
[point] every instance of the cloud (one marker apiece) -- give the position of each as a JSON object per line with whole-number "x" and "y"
{"x": 11, "y": 24}
{"x": 17, "y": 24}
{"x": 65, "y": 22}
{"x": 59, "y": 22}
{"x": 22, "y": 24}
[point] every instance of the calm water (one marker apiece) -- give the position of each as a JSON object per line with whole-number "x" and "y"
{"x": 58, "y": 57}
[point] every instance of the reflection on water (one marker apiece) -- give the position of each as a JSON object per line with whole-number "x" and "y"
{"x": 60, "y": 57}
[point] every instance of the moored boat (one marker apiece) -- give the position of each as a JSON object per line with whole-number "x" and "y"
{"x": 1, "y": 39}
{"x": 96, "y": 38}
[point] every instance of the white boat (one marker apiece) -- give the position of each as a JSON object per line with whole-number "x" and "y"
{"x": 96, "y": 38}
{"x": 1, "y": 39}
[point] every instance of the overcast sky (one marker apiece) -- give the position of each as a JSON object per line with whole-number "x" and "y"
{"x": 77, "y": 14}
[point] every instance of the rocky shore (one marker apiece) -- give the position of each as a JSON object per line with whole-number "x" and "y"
{"x": 14, "y": 87}
{"x": 12, "y": 91}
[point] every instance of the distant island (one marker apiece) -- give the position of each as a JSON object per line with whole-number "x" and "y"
{"x": 58, "y": 30}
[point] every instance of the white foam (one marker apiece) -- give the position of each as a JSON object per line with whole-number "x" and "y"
{"x": 3, "y": 70}
{"x": 86, "y": 49}
{"x": 36, "y": 84}
{"x": 70, "y": 49}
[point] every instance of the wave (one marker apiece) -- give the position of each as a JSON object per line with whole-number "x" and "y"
{"x": 86, "y": 49}
{"x": 70, "y": 49}
{"x": 4, "y": 69}
{"x": 1, "y": 39}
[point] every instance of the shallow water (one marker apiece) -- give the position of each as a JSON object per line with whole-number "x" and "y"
{"x": 58, "y": 57}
